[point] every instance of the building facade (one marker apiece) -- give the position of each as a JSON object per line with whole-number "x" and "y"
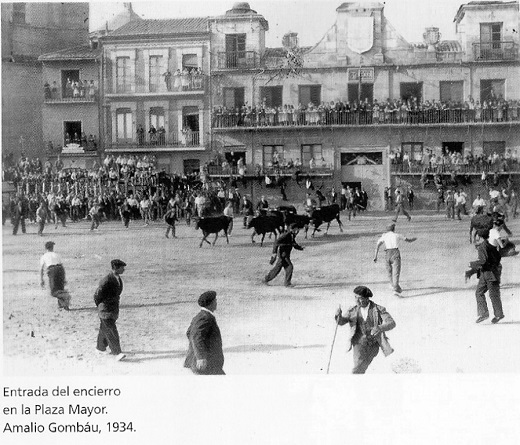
{"x": 28, "y": 31}
{"x": 365, "y": 103}
{"x": 155, "y": 92}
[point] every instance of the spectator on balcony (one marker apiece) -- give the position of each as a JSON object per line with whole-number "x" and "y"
{"x": 168, "y": 80}
{"x": 153, "y": 135}
{"x": 185, "y": 79}
{"x": 91, "y": 90}
{"x": 177, "y": 83}
{"x": 54, "y": 90}
{"x": 161, "y": 135}
{"x": 69, "y": 88}
{"x": 75, "y": 90}
{"x": 140, "y": 135}
{"x": 47, "y": 93}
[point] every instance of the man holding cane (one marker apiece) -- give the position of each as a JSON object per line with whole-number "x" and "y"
{"x": 368, "y": 324}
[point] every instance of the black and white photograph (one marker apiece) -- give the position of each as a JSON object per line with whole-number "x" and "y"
{"x": 220, "y": 212}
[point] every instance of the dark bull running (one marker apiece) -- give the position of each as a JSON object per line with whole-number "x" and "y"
{"x": 213, "y": 224}
{"x": 273, "y": 222}
{"x": 325, "y": 214}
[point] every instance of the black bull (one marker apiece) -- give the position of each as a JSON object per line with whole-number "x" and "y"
{"x": 263, "y": 224}
{"x": 325, "y": 214}
{"x": 213, "y": 224}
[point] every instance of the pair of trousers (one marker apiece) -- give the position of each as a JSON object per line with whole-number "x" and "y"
{"x": 493, "y": 287}
{"x": 95, "y": 222}
{"x": 56, "y": 274}
{"x": 172, "y": 228}
{"x": 400, "y": 209}
{"x": 285, "y": 262}
{"x": 363, "y": 356}
{"x": 108, "y": 336}
{"x": 393, "y": 267}
{"x": 17, "y": 222}
{"x": 41, "y": 226}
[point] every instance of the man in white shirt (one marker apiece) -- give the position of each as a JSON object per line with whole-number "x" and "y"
{"x": 51, "y": 263}
{"x": 479, "y": 203}
{"x": 393, "y": 257}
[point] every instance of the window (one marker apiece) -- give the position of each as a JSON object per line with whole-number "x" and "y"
{"x": 492, "y": 89}
{"x": 491, "y": 33}
{"x": 308, "y": 94}
{"x": 411, "y": 90}
{"x": 452, "y": 91}
{"x": 355, "y": 94}
{"x": 190, "y": 62}
{"x": 490, "y": 147}
{"x": 414, "y": 150}
{"x": 366, "y": 158}
{"x": 19, "y": 13}
{"x": 235, "y": 50}
{"x": 311, "y": 151}
{"x": 124, "y": 125}
{"x": 272, "y": 96}
{"x": 157, "y": 117}
{"x": 452, "y": 147}
{"x": 190, "y": 125}
{"x": 233, "y": 98}
{"x": 72, "y": 132}
{"x": 123, "y": 80}
{"x": 68, "y": 77}
{"x": 191, "y": 166}
{"x": 156, "y": 71}
{"x": 272, "y": 155}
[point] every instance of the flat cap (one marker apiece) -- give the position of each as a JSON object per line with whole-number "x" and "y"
{"x": 117, "y": 263}
{"x": 49, "y": 244}
{"x": 363, "y": 291}
{"x": 206, "y": 298}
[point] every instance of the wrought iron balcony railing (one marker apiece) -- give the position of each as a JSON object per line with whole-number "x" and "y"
{"x": 238, "y": 60}
{"x": 158, "y": 140}
{"x": 173, "y": 84}
{"x": 306, "y": 118}
{"x": 503, "y": 50}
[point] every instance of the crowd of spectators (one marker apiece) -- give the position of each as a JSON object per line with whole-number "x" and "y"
{"x": 185, "y": 80}
{"x": 448, "y": 161}
{"x": 73, "y": 89}
{"x": 411, "y": 111}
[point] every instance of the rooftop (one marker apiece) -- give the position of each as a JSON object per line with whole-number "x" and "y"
{"x": 84, "y": 52}
{"x": 161, "y": 27}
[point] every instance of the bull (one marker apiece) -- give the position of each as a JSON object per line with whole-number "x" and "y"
{"x": 212, "y": 224}
{"x": 300, "y": 221}
{"x": 325, "y": 214}
{"x": 265, "y": 224}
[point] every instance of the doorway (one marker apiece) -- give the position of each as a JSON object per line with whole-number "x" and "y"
{"x": 72, "y": 132}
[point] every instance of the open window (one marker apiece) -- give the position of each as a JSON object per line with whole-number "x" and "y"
{"x": 71, "y": 132}
{"x": 410, "y": 90}
{"x": 68, "y": 77}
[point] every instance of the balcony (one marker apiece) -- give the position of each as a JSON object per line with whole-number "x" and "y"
{"x": 176, "y": 85}
{"x": 256, "y": 171}
{"x": 237, "y": 60}
{"x": 57, "y": 98}
{"x": 327, "y": 117}
{"x": 160, "y": 142}
{"x": 505, "y": 50}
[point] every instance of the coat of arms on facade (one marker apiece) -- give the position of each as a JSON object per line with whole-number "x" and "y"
{"x": 360, "y": 34}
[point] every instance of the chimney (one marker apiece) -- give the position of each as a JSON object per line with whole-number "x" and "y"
{"x": 290, "y": 40}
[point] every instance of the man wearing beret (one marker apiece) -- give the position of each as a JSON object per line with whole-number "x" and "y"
{"x": 488, "y": 270}
{"x": 205, "y": 355}
{"x": 393, "y": 256}
{"x": 107, "y": 298}
{"x": 368, "y": 324}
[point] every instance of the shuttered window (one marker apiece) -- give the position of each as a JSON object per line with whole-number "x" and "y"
{"x": 452, "y": 91}
{"x": 272, "y": 96}
{"x": 308, "y": 94}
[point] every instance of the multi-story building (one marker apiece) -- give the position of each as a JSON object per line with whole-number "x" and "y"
{"x": 28, "y": 31}
{"x": 70, "y": 87}
{"x": 155, "y": 91}
{"x": 318, "y": 105}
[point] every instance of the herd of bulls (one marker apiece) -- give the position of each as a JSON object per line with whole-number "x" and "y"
{"x": 273, "y": 222}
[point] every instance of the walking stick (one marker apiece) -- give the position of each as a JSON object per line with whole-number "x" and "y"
{"x": 333, "y": 340}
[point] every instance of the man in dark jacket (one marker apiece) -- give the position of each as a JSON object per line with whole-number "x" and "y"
{"x": 368, "y": 323}
{"x": 205, "y": 355}
{"x": 488, "y": 270}
{"x": 107, "y": 298}
{"x": 247, "y": 211}
{"x": 282, "y": 250}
